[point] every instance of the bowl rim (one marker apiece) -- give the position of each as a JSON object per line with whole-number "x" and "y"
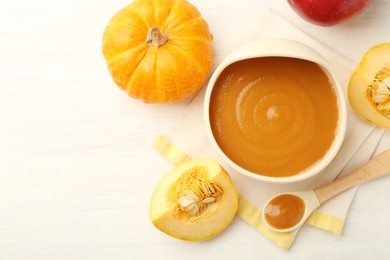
{"x": 313, "y": 56}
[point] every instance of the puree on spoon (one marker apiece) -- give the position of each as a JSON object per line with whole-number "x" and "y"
{"x": 284, "y": 211}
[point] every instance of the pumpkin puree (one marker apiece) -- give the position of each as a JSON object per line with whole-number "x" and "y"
{"x": 285, "y": 211}
{"x": 274, "y": 116}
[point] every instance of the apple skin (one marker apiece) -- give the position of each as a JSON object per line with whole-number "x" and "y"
{"x": 328, "y": 12}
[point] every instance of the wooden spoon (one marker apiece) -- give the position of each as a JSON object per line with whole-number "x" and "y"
{"x": 287, "y": 211}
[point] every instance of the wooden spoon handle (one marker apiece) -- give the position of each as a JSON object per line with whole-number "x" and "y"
{"x": 375, "y": 168}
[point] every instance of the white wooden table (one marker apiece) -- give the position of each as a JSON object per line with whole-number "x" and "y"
{"x": 77, "y": 169}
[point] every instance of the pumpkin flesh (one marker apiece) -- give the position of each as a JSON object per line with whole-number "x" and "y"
{"x": 369, "y": 86}
{"x": 215, "y": 200}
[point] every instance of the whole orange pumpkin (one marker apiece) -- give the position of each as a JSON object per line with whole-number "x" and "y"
{"x": 158, "y": 50}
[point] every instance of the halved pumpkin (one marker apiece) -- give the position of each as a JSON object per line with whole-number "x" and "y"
{"x": 195, "y": 201}
{"x": 369, "y": 86}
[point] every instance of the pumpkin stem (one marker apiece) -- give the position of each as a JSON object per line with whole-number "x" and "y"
{"x": 155, "y": 37}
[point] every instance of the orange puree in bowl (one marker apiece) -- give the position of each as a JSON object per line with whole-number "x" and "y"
{"x": 274, "y": 116}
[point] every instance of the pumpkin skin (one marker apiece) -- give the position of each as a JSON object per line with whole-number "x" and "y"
{"x": 151, "y": 69}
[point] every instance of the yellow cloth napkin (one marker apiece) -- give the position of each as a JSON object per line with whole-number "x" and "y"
{"x": 187, "y": 138}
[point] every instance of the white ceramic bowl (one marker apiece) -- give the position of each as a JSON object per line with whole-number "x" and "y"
{"x": 290, "y": 49}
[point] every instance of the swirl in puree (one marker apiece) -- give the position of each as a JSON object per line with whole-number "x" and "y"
{"x": 274, "y": 116}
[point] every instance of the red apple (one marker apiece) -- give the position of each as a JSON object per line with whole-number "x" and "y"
{"x": 328, "y": 12}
